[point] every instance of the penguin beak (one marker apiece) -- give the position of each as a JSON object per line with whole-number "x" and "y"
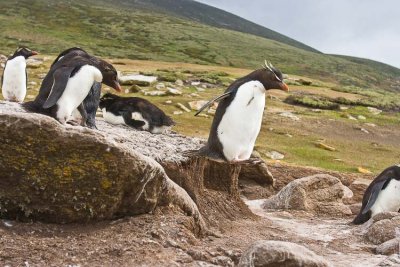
{"x": 117, "y": 86}
{"x": 284, "y": 87}
{"x": 34, "y": 53}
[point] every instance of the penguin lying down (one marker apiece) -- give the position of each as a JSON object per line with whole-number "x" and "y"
{"x": 135, "y": 112}
{"x": 238, "y": 118}
{"x": 383, "y": 194}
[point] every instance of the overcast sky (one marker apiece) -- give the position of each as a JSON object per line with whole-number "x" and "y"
{"x": 362, "y": 28}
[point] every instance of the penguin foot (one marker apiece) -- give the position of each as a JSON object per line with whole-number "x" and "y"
{"x": 73, "y": 123}
{"x": 250, "y": 161}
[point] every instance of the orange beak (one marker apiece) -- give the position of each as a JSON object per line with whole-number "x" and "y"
{"x": 284, "y": 87}
{"x": 117, "y": 86}
{"x": 34, "y": 53}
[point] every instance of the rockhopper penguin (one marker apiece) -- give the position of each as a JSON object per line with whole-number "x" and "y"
{"x": 90, "y": 103}
{"x": 135, "y": 112}
{"x": 383, "y": 194}
{"x": 238, "y": 118}
{"x": 14, "y": 79}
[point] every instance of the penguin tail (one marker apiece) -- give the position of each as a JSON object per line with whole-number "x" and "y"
{"x": 362, "y": 218}
{"x": 205, "y": 153}
{"x": 168, "y": 121}
{"x": 30, "y": 106}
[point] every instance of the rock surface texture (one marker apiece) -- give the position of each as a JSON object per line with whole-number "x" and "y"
{"x": 279, "y": 253}
{"x": 320, "y": 194}
{"x": 62, "y": 174}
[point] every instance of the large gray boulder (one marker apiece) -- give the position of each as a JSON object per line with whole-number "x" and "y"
{"x": 385, "y": 227}
{"x": 62, "y": 174}
{"x": 319, "y": 194}
{"x": 279, "y": 253}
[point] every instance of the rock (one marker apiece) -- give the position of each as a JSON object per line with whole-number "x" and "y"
{"x": 387, "y": 215}
{"x": 350, "y": 117}
{"x": 358, "y": 187}
{"x": 172, "y": 91}
{"x": 289, "y": 115}
{"x": 155, "y": 93}
{"x": 197, "y": 105}
{"x": 137, "y": 79}
{"x": 274, "y": 155}
{"x": 223, "y": 261}
{"x": 211, "y": 111}
{"x": 343, "y": 108}
{"x": 280, "y": 253}
{"x": 200, "y": 89}
{"x": 389, "y": 247}
{"x": 392, "y": 261}
{"x": 65, "y": 174}
{"x": 319, "y": 194}
{"x": 194, "y": 95}
{"x": 160, "y": 86}
{"x": 304, "y": 82}
{"x": 179, "y": 82}
{"x": 195, "y": 83}
{"x": 316, "y": 110}
{"x": 370, "y": 124}
{"x": 3, "y": 58}
{"x": 355, "y": 208}
{"x": 361, "y": 117}
{"x": 374, "y": 111}
{"x": 168, "y": 102}
{"x": 258, "y": 173}
{"x": 363, "y": 170}
{"x": 325, "y": 146}
{"x": 182, "y": 107}
{"x": 384, "y": 230}
{"x": 177, "y": 112}
{"x": 133, "y": 89}
{"x": 33, "y": 63}
{"x": 202, "y": 115}
{"x": 32, "y": 83}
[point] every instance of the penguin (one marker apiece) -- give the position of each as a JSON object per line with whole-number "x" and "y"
{"x": 73, "y": 77}
{"x": 238, "y": 118}
{"x": 135, "y": 112}
{"x": 90, "y": 103}
{"x": 14, "y": 79}
{"x": 383, "y": 194}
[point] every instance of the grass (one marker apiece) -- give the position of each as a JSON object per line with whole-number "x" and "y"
{"x": 121, "y": 30}
{"x": 354, "y": 149}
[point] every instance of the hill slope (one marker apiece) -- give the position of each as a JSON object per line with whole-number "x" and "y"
{"x": 212, "y": 16}
{"x": 127, "y": 31}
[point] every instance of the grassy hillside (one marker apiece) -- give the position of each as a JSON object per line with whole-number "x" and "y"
{"x": 117, "y": 30}
{"x": 214, "y": 17}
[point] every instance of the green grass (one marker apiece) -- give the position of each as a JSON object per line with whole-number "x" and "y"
{"x": 120, "y": 30}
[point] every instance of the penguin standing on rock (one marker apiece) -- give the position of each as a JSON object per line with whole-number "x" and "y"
{"x": 238, "y": 118}
{"x": 14, "y": 79}
{"x": 73, "y": 77}
{"x": 135, "y": 112}
{"x": 383, "y": 194}
{"x": 90, "y": 103}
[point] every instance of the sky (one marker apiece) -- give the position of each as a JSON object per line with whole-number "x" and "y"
{"x": 361, "y": 28}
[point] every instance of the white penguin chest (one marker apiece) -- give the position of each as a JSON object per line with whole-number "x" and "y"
{"x": 14, "y": 79}
{"x": 77, "y": 89}
{"x": 388, "y": 199}
{"x": 241, "y": 122}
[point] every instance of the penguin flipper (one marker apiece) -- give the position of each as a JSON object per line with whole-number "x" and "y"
{"x": 60, "y": 80}
{"x": 127, "y": 115}
{"x": 373, "y": 195}
{"x": 209, "y": 103}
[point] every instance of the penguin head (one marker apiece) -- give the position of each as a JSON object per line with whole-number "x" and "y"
{"x": 110, "y": 75}
{"x": 25, "y": 52}
{"x": 271, "y": 77}
{"x": 107, "y": 100}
